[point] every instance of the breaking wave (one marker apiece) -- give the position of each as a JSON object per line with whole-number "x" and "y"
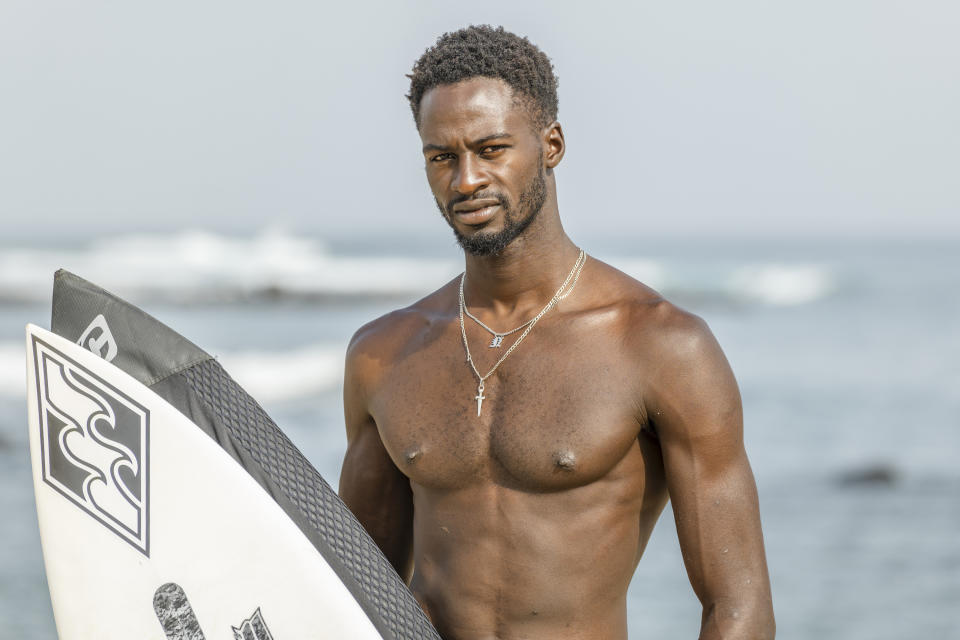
{"x": 12, "y": 369}
{"x": 765, "y": 284}
{"x": 783, "y": 285}
{"x": 198, "y": 266}
{"x": 287, "y": 375}
{"x": 202, "y": 267}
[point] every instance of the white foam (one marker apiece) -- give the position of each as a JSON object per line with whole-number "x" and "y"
{"x": 762, "y": 283}
{"x": 783, "y": 285}
{"x": 197, "y": 265}
{"x": 287, "y": 375}
{"x": 13, "y": 369}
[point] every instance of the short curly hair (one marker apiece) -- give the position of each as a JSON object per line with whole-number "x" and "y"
{"x": 485, "y": 51}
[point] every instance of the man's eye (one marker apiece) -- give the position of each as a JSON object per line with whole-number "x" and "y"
{"x": 492, "y": 149}
{"x": 441, "y": 157}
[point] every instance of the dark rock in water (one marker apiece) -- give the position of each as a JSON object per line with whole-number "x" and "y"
{"x": 875, "y": 475}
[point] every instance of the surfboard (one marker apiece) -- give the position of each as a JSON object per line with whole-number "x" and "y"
{"x": 171, "y": 506}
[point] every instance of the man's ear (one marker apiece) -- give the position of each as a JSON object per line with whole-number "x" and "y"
{"x": 553, "y": 145}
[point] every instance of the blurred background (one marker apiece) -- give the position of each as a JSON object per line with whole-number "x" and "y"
{"x": 250, "y": 174}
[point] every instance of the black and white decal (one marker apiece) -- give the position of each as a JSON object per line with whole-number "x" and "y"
{"x": 98, "y": 338}
{"x": 253, "y": 628}
{"x": 175, "y": 613}
{"x": 94, "y": 445}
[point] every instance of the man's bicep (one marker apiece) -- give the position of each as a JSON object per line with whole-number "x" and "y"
{"x": 377, "y": 493}
{"x": 698, "y": 418}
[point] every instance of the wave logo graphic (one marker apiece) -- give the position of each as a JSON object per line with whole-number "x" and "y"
{"x": 253, "y": 628}
{"x": 94, "y": 444}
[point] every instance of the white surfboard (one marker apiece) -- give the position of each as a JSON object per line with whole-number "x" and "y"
{"x": 164, "y": 512}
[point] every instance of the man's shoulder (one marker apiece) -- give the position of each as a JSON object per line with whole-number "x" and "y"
{"x": 645, "y": 318}
{"x": 668, "y": 346}
{"x": 390, "y": 334}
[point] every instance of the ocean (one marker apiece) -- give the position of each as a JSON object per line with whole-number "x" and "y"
{"x": 847, "y": 352}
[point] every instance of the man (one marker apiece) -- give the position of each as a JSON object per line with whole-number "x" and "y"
{"x": 514, "y": 436}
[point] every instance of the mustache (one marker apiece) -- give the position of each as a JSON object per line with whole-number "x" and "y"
{"x": 483, "y": 195}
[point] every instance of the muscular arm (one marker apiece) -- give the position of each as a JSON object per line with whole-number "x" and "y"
{"x": 370, "y": 484}
{"x": 694, "y": 406}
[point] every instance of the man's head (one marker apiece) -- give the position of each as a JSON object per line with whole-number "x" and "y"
{"x": 485, "y": 104}
{"x": 480, "y": 51}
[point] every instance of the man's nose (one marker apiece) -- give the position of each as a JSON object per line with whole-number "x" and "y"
{"x": 469, "y": 177}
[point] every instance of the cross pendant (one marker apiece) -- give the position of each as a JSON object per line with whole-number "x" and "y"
{"x": 497, "y": 341}
{"x": 480, "y": 398}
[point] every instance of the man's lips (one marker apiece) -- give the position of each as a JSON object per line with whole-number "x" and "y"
{"x": 475, "y": 211}
{"x": 476, "y": 216}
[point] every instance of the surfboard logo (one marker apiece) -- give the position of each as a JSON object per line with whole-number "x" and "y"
{"x": 253, "y": 628}
{"x": 98, "y": 338}
{"x": 93, "y": 444}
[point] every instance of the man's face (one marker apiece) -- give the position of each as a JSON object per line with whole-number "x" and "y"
{"x": 484, "y": 162}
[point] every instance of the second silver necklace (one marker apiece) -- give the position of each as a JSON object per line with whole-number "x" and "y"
{"x": 527, "y": 326}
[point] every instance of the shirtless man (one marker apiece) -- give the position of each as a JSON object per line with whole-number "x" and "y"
{"x": 519, "y": 508}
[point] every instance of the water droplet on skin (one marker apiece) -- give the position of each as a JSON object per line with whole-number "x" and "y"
{"x": 725, "y": 550}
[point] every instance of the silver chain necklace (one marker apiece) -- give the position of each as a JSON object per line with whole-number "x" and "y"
{"x": 574, "y": 275}
{"x": 498, "y": 336}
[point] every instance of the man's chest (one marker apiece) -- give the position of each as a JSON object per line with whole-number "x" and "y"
{"x": 553, "y": 416}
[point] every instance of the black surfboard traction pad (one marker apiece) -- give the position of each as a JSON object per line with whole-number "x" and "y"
{"x": 195, "y": 383}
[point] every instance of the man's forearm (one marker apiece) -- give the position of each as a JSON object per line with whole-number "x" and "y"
{"x": 738, "y": 620}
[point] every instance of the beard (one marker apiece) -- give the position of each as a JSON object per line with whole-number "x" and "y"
{"x": 515, "y": 221}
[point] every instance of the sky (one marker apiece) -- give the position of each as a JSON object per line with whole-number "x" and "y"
{"x": 744, "y": 117}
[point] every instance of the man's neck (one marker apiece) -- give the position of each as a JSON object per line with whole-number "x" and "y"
{"x": 525, "y": 275}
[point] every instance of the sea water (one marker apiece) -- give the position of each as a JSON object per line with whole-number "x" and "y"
{"x": 847, "y": 354}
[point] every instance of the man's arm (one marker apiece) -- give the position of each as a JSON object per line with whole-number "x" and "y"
{"x": 695, "y": 408}
{"x": 370, "y": 484}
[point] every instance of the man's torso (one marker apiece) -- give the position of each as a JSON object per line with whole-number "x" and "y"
{"x": 530, "y": 518}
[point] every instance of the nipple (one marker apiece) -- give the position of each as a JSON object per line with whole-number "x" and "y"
{"x": 565, "y": 460}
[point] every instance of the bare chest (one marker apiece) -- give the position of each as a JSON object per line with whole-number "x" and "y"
{"x": 555, "y": 415}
